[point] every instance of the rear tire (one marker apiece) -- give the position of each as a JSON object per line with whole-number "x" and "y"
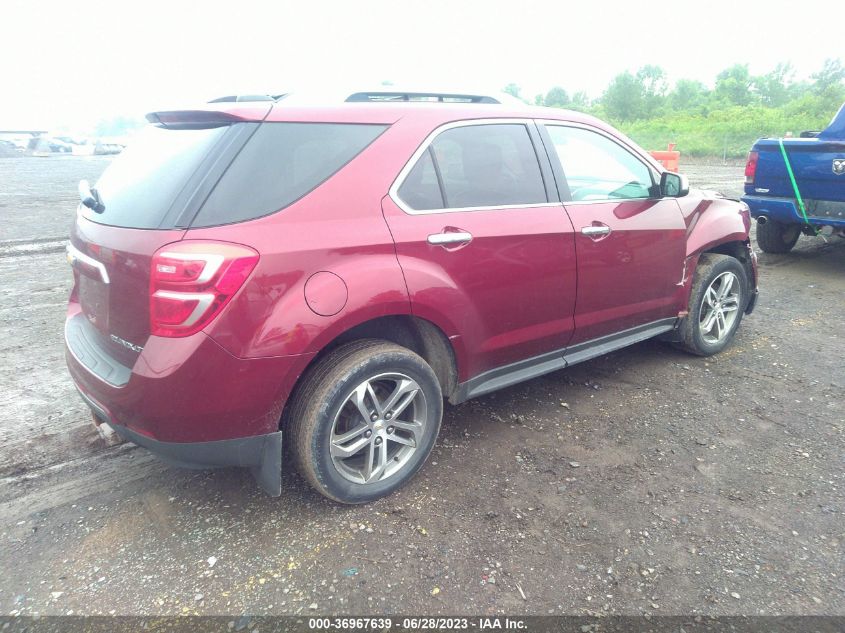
{"x": 776, "y": 237}
{"x": 364, "y": 420}
{"x": 718, "y": 299}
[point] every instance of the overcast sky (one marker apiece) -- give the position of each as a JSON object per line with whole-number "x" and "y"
{"x": 72, "y": 62}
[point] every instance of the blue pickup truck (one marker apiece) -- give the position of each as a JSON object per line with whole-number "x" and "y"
{"x": 797, "y": 185}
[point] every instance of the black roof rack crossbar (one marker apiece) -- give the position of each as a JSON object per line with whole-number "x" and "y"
{"x": 441, "y": 97}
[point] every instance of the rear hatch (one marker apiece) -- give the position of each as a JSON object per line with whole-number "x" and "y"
{"x": 192, "y": 169}
{"x": 149, "y": 195}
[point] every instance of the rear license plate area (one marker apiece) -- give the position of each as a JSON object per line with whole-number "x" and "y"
{"x": 94, "y": 300}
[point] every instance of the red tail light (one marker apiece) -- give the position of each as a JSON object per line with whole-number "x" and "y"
{"x": 751, "y": 167}
{"x": 191, "y": 281}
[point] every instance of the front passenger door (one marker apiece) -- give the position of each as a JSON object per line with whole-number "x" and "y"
{"x": 630, "y": 242}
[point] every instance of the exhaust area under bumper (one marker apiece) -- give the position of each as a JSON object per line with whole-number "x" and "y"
{"x": 262, "y": 454}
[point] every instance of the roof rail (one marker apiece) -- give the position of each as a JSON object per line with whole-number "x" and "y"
{"x": 237, "y": 98}
{"x": 441, "y": 97}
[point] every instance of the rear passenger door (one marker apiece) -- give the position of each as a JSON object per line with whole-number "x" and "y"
{"x": 486, "y": 248}
{"x": 631, "y": 242}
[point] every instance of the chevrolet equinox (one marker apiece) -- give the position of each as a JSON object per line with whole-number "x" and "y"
{"x": 257, "y": 268}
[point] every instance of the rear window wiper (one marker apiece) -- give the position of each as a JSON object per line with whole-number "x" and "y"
{"x": 90, "y": 198}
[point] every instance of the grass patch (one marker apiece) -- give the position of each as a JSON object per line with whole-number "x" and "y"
{"x": 726, "y": 133}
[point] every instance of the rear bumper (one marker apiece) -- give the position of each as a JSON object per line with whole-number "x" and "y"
{"x": 189, "y": 401}
{"x": 187, "y": 389}
{"x": 784, "y": 210}
{"x": 262, "y": 454}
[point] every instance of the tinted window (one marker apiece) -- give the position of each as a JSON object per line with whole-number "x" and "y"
{"x": 597, "y": 168}
{"x": 141, "y": 183}
{"x": 487, "y": 165}
{"x": 281, "y": 163}
{"x": 420, "y": 190}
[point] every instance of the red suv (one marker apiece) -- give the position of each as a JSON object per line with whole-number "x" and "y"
{"x": 331, "y": 273}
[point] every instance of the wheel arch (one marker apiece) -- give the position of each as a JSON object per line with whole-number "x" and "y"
{"x": 688, "y": 334}
{"x": 416, "y": 334}
{"x": 740, "y": 250}
{"x": 716, "y": 221}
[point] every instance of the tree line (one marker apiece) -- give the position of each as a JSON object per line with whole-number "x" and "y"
{"x": 720, "y": 121}
{"x": 646, "y": 94}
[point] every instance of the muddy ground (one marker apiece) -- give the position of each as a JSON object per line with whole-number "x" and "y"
{"x": 644, "y": 481}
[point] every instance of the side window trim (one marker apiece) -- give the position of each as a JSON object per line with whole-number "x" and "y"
{"x": 565, "y": 194}
{"x": 542, "y": 153}
{"x": 199, "y": 187}
{"x": 557, "y": 169}
{"x": 437, "y": 174}
{"x": 426, "y": 145}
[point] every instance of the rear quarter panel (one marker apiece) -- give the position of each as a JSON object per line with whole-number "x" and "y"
{"x": 337, "y": 228}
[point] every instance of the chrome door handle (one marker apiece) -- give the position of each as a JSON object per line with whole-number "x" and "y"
{"x": 444, "y": 239}
{"x": 595, "y": 231}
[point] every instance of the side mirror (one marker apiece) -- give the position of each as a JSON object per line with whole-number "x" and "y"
{"x": 673, "y": 185}
{"x": 89, "y": 198}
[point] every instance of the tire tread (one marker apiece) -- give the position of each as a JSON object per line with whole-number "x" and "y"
{"x": 703, "y": 271}
{"x": 770, "y": 237}
{"x": 312, "y": 395}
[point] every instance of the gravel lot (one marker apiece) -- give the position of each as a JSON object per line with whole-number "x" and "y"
{"x": 646, "y": 481}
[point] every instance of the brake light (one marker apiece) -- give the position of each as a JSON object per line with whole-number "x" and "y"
{"x": 191, "y": 281}
{"x": 751, "y": 167}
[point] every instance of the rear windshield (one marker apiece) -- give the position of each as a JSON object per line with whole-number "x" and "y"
{"x": 280, "y": 164}
{"x": 141, "y": 183}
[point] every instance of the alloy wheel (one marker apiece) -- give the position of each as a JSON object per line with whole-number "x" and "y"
{"x": 720, "y": 307}
{"x": 378, "y": 428}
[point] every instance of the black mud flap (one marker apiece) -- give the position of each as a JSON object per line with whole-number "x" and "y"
{"x": 752, "y": 302}
{"x": 268, "y": 472}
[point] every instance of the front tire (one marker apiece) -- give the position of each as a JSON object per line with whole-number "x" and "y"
{"x": 718, "y": 299}
{"x": 776, "y": 237}
{"x": 364, "y": 420}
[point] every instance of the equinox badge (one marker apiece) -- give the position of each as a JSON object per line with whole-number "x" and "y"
{"x": 126, "y": 344}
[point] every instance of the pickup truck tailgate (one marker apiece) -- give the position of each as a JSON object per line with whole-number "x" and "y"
{"x": 814, "y": 163}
